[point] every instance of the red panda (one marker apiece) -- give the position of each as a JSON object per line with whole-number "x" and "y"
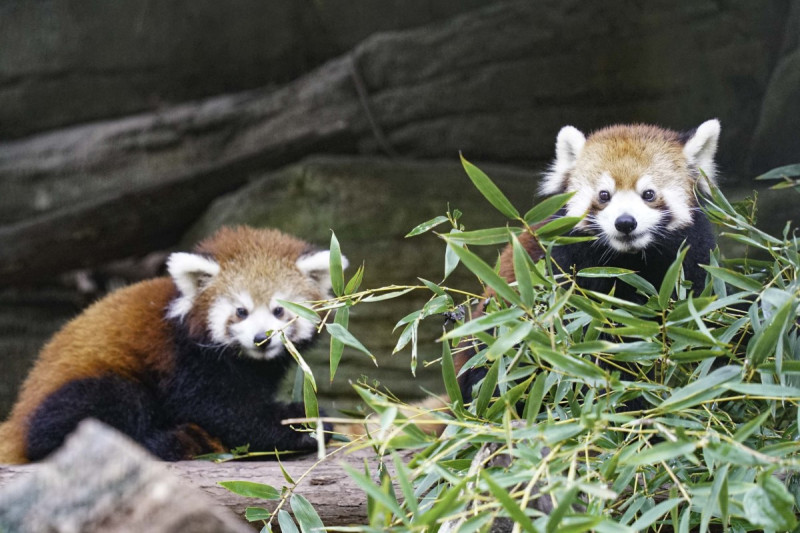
{"x": 634, "y": 186}
{"x": 183, "y": 364}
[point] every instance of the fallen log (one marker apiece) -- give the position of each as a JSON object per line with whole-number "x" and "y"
{"x": 102, "y": 481}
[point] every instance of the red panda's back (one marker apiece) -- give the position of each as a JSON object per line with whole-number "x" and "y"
{"x": 124, "y": 333}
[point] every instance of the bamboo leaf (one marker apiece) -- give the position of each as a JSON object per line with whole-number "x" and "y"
{"x": 341, "y": 317}
{"x": 427, "y": 226}
{"x": 514, "y": 511}
{"x": 547, "y": 207}
{"x": 254, "y": 514}
{"x": 659, "y": 510}
{"x": 449, "y": 375}
{"x": 305, "y": 514}
{"x": 701, "y": 390}
{"x": 250, "y": 489}
{"x": 338, "y": 332}
{"x": 489, "y": 190}
{"x": 522, "y": 271}
{"x": 670, "y": 278}
{"x": 286, "y": 523}
{"x": 487, "y": 274}
{"x": 301, "y": 311}
{"x": 336, "y": 270}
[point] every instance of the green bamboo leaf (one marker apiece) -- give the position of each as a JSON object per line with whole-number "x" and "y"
{"x": 377, "y": 493}
{"x": 338, "y": 332}
{"x": 409, "y": 498}
{"x": 487, "y": 388}
{"x": 290, "y": 347}
{"x": 286, "y": 523}
{"x": 310, "y": 398}
{"x": 736, "y": 279}
{"x": 784, "y": 392}
{"x": 534, "y": 402}
{"x": 487, "y": 274}
{"x": 254, "y": 514}
{"x": 522, "y": 271}
{"x": 301, "y": 311}
{"x": 305, "y": 514}
{"x": 769, "y": 505}
{"x": 491, "y": 320}
{"x": 449, "y": 375}
{"x": 489, "y": 190}
{"x": 250, "y": 489}
{"x": 604, "y": 272}
{"x": 556, "y": 227}
{"x": 788, "y": 171}
{"x": 571, "y": 365}
{"x": 701, "y": 390}
{"x": 670, "y": 278}
{"x": 484, "y": 236}
{"x": 564, "y": 506}
{"x": 720, "y": 479}
{"x": 355, "y": 281}
{"x": 764, "y": 342}
{"x": 289, "y": 479}
{"x": 748, "y": 428}
{"x": 341, "y": 317}
{"x": 386, "y": 295}
{"x": 660, "y": 452}
{"x": 336, "y": 270}
{"x": 427, "y": 226}
{"x": 659, "y": 510}
{"x": 514, "y": 511}
{"x": 508, "y": 340}
{"x": 547, "y": 207}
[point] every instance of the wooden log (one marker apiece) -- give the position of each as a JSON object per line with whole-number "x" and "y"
{"x": 98, "y": 461}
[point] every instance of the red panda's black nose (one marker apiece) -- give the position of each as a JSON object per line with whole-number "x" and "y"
{"x": 259, "y": 338}
{"x": 625, "y": 224}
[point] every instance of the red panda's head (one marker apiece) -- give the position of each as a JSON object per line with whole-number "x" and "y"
{"x": 230, "y": 289}
{"x": 632, "y": 182}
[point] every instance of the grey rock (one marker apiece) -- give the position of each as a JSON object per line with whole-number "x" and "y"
{"x": 101, "y": 481}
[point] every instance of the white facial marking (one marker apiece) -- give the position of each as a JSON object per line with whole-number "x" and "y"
{"x": 257, "y": 333}
{"x": 628, "y": 203}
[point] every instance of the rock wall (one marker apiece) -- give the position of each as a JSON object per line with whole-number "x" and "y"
{"x": 68, "y": 61}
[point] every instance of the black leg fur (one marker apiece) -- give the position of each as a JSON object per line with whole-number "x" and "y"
{"x": 118, "y": 402}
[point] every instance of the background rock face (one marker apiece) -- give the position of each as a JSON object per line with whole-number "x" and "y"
{"x": 124, "y": 121}
{"x": 67, "y": 61}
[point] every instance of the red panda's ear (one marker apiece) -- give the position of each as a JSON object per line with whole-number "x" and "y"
{"x": 317, "y": 266}
{"x": 190, "y": 272}
{"x": 569, "y": 144}
{"x": 701, "y": 148}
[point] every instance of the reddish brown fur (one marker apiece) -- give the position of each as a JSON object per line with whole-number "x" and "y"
{"x": 628, "y": 152}
{"x": 94, "y": 343}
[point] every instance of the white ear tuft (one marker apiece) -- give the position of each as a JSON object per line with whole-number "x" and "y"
{"x": 190, "y": 272}
{"x": 569, "y": 145}
{"x": 701, "y": 148}
{"x": 317, "y": 266}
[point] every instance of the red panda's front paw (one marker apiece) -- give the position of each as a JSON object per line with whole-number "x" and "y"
{"x": 194, "y": 440}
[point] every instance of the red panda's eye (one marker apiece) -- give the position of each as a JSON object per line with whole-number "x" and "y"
{"x": 649, "y": 195}
{"x": 278, "y": 312}
{"x": 241, "y": 312}
{"x": 604, "y": 196}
